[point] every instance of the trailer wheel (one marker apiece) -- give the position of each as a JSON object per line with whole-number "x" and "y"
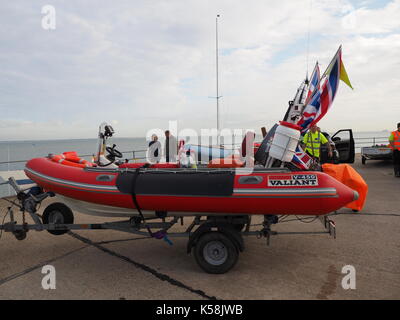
{"x": 363, "y": 160}
{"x": 215, "y": 253}
{"x": 57, "y": 213}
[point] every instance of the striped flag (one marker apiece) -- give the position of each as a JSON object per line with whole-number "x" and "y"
{"x": 301, "y": 159}
{"x": 314, "y": 82}
{"x": 322, "y": 99}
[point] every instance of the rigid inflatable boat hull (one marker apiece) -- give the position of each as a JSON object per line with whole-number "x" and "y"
{"x": 193, "y": 191}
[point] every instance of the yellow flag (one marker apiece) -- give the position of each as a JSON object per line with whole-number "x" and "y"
{"x": 343, "y": 75}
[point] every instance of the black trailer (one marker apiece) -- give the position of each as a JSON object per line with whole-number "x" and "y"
{"x": 376, "y": 153}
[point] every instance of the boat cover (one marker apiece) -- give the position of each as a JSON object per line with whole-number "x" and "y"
{"x": 351, "y": 178}
{"x": 153, "y": 182}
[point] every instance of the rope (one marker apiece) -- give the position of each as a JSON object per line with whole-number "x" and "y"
{"x": 5, "y": 216}
{"x": 161, "y": 234}
{"x": 136, "y": 174}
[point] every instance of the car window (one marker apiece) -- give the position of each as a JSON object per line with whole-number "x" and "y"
{"x": 341, "y": 136}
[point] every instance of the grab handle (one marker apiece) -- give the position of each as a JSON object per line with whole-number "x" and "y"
{"x": 250, "y": 180}
{"x": 105, "y": 177}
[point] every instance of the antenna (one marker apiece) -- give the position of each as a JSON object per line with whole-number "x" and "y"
{"x": 308, "y": 36}
{"x": 216, "y": 58}
{"x": 217, "y": 97}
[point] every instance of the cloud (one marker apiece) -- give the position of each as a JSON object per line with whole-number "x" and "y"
{"x": 141, "y": 64}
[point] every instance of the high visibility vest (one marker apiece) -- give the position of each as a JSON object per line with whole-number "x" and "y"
{"x": 396, "y": 140}
{"x": 313, "y": 144}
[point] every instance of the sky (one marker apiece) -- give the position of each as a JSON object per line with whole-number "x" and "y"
{"x": 140, "y": 64}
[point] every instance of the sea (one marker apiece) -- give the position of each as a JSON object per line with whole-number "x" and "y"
{"x": 11, "y": 151}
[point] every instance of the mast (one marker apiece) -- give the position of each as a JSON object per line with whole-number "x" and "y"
{"x": 295, "y": 108}
{"x": 216, "y": 58}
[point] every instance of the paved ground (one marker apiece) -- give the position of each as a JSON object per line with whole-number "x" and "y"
{"x": 113, "y": 265}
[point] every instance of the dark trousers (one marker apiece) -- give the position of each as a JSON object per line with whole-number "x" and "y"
{"x": 396, "y": 162}
{"x": 167, "y": 149}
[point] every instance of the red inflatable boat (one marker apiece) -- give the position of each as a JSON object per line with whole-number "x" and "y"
{"x": 163, "y": 188}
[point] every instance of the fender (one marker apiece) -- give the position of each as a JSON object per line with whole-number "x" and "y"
{"x": 225, "y": 228}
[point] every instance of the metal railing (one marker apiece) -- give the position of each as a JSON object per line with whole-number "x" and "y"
{"x": 141, "y": 154}
{"x": 133, "y": 152}
{"x": 370, "y": 141}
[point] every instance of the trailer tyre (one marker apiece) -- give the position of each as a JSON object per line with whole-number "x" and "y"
{"x": 215, "y": 253}
{"x": 57, "y": 213}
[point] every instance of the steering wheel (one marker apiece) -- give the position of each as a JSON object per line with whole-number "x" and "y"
{"x": 113, "y": 153}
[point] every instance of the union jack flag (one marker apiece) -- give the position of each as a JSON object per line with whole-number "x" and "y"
{"x": 314, "y": 82}
{"x": 322, "y": 99}
{"x": 301, "y": 159}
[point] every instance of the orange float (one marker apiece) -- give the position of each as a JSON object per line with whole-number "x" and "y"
{"x": 351, "y": 178}
{"x": 70, "y": 158}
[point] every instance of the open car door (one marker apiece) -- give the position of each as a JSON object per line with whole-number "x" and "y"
{"x": 344, "y": 143}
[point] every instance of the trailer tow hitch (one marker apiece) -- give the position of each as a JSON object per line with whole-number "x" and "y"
{"x": 28, "y": 202}
{"x": 266, "y": 230}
